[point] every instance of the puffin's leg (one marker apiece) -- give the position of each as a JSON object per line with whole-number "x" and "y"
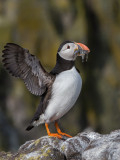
{"x": 59, "y": 131}
{"x": 52, "y": 134}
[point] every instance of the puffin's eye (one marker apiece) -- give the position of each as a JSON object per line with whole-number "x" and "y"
{"x": 68, "y": 47}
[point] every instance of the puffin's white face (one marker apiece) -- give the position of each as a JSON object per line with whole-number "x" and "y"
{"x": 67, "y": 51}
{"x": 70, "y": 50}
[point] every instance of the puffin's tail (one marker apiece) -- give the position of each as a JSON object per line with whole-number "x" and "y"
{"x": 29, "y": 127}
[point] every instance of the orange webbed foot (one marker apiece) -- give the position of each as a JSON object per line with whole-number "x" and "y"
{"x": 55, "y": 135}
{"x": 65, "y": 134}
{"x": 60, "y": 132}
{"x": 52, "y": 134}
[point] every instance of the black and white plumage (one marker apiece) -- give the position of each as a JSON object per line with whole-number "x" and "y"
{"x": 20, "y": 63}
{"x": 58, "y": 89}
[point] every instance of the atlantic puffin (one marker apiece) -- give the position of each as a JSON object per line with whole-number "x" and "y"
{"x": 58, "y": 89}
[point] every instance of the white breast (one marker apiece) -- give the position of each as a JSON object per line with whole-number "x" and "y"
{"x": 65, "y": 91}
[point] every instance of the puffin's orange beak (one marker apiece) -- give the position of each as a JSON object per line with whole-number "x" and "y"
{"x": 82, "y": 50}
{"x": 84, "y": 47}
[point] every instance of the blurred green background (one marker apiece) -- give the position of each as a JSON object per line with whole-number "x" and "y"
{"x": 40, "y": 26}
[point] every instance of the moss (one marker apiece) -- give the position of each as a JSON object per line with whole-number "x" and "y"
{"x": 37, "y": 155}
{"x": 63, "y": 148}
{"x": 45, "y": 151}
{"x": 48, "y": 151}
{"x": 19, "y": 157}
{"x": 9, "y": 154}
{"x": 5, "y": 155}
{"x": 36, "y": 142}
{"x": 44, "y": 148}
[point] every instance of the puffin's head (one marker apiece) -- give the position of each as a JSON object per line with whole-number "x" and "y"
{"x": 69, "y": 50}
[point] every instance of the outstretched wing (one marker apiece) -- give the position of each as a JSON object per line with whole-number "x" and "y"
{"x": 20, "y": 63}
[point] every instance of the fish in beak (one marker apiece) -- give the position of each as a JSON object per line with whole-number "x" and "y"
{"x": 82, "y": 50}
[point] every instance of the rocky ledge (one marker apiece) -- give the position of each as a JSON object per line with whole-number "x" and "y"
{"x": 87, "y": 145}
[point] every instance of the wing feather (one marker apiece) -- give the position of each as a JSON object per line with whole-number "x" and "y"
{"x": 20, "y": 63}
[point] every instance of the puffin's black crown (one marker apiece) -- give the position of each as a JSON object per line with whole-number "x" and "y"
{"x": 63, "y": 43}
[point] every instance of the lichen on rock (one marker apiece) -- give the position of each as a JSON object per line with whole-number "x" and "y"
{"x": 87, "y": 145}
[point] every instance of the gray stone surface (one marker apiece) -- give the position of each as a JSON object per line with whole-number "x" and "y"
{"x": 87, "y": 145}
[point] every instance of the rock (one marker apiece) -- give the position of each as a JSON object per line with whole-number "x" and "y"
{"x": 87, "y": 145}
